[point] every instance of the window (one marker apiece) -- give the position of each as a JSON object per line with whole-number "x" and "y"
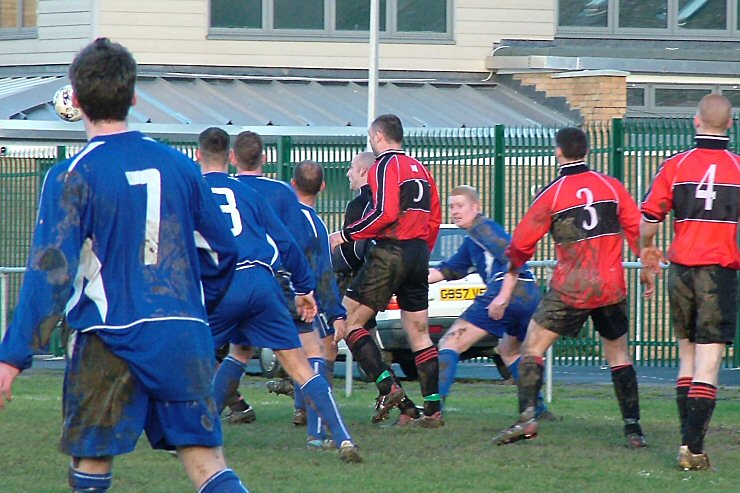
{"x": 681, "y": 19}
{"x": 17, "y": 18}
{"x": 635, "y": 96}
{"x": 412, "y": 20}
{"x": 673, "y": 100}
{"x": 679, "y": 97}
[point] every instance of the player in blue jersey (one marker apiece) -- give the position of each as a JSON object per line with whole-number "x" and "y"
{"x": 252, "y": 312}
{"x": 506, "y": 306}
{"x": 308, "y": 182}
{"x": 127, "y": 248}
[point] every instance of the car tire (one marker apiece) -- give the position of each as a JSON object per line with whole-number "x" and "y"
{"x": 408, "y": 366}
{"x": 269, "y": 364}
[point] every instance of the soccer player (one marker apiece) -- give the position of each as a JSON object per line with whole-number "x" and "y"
{"x": 308, "y": 182}
{"x": 404, "y": 222}
{"x": 252, "y": 313}
{"x": 127, "y": 248}
{"x": 503, "y": 312}
{"x": 588, "y": 214}
{"x": 701, "y": 187}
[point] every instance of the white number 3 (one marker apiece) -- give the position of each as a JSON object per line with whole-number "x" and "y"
{"x": 707, "y": 192}
{"x": 593, "y": 218}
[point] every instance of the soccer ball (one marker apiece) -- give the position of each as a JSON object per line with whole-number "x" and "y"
{"x": 63, "y": 105}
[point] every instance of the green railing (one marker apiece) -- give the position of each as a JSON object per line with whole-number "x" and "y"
{"x": 508, "y": 165}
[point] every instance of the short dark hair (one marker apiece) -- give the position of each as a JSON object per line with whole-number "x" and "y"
{"x": 390, "y": 126}
{"x": 248, "y": 151}
{"x": 103, "y": 76}
{"x": 573, "y": 142}
{"x": 308, "y": 176}
{"x": 213, "y": 144}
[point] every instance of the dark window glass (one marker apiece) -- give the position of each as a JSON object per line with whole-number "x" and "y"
{"x": 702, "y": 14}
{"x": 679, "y": 97}
{"x": 643, "y": 13}
{"x": 590, "y": 13}
{"x": 422, "y": 16}
{"x": 354, "y": 15}
{"x": 298, "y": 14}
{"x": 733, "y": 96}
{"x": 236, "y": 13}
{"x": 635, "y": 96}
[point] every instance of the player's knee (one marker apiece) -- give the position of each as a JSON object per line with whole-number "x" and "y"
{"x": 88, "y": 482}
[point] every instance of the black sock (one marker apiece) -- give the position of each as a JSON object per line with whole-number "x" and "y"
{"x": 368, "y": 356}
{"x": 531, "y": 371}
{"x": 503, "y": 370}
{"x": 427, "y": 365}
{"x": 699, "y": 407}
{"x": 624, "y": 378}
{"x": 682, "y": 394}
{"x": 240, "y": 405}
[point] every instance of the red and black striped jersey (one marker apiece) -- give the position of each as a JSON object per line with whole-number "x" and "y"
{"x": 587, "y": 213}
{"x": 702, "y": 187}
{"x": 405, "y": 202}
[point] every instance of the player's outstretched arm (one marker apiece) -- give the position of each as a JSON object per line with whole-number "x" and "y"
{"x": 7, "y": 375}
{"x": 305, "y": 304}
{"x": 435, "y": 276}
{"x": 498, "y": 305}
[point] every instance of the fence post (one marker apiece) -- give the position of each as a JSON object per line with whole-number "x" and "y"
{"x": 499, "y": 175}
{"x": 736, "y": 345}
{"x": 284, "y": 146}
{"x": 3, "y": 304}
{"x": 616, "y": 159}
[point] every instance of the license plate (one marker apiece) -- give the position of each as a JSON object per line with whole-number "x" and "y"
{"x": 457, "y": 294}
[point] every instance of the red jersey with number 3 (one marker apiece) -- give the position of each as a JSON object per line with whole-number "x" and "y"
{"x": 702, "y": 187}
{"x": 588, "y": 215}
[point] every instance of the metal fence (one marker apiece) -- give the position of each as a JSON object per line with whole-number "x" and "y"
{"x": 508, "y": 165}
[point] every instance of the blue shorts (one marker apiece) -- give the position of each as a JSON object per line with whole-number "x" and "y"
{"x": 106, "y": 408}
{"x": 253, "y": 313}
{"x": 516, "y": 317}
{"x": 321, "y": 326}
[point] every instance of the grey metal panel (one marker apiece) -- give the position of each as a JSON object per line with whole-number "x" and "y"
{"x": 24, "y": 97}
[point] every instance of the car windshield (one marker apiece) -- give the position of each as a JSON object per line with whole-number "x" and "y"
{"x": 448, "y": 242}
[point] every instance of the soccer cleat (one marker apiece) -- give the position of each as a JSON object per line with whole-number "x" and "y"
{"x": 636, "y": 440}
{"x": 320, "y": 444}
{"x": 521, "y": 430}
{"x": 243, "y": 416}
{"x": 692, "y": 462}
{"x": 299, "y": 417}
{"x": 384, "y": 403}
{"x": 430, "y": 422}
{"x": 281, "y": 387}
{"x": 348, "y": 452}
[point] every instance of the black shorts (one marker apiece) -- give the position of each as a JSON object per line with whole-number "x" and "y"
{"x": 283, "y": 279}
{"x": 344, "y": 280}
{"x": 394, "y": 267}
{"x": 703, "y": 303}
{"x": 610, "y": 321}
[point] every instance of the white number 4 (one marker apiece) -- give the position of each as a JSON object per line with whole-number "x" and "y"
{"x": 153, "y": 182}
{"x": 705, "y": 188}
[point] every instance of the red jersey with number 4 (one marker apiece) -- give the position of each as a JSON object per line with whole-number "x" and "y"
{"x": 588, "y": 214}
{"x": 405, "y": 202}
{"x": 702, "y": 187}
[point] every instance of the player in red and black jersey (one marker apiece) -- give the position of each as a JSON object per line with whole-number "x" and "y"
{"x": 702, "y": 187}
{"x": 588, "y": 215}
{"x": 404, "y": 222}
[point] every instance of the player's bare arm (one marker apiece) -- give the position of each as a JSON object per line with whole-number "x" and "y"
{"x": 497, "y": 307}
{"x": 305, "y": 304}
{"x": 435, "y": 276}
{"x": 335, "y": 239}
{"x": 7, "y": 375}
{"x": 650, "y": 256}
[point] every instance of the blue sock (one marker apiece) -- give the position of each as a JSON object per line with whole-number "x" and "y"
{"x": 226, "y": 380}
{"x": 448, "y": 359}
{"x": 224, "y": 481}
{"x": 319, "y": 393}
{"x": 88, "y": 482}
{"x": 541, "y": 406}
{"x": 315, "y": 428}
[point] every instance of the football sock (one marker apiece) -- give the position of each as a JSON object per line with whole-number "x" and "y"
{"x": 240, "y": 405}
{"x": 224, "y": 481}
{"x": 513, "y": 370}
{"x": 503, "y": 370}
{"x": 85, "y": 482}
{"x": 368, "y": 356}
{"x": 531, "y": 370}
{"x": 699, "y": 407}
{"x": 315, "y": 429}
{"x": 448, "y": 359}
{"x": 427, "y": 365}
{"x": 624, "y": 378}
{"x": 319, "y": 394}
{"x": 226, "y": 382}
{"x": 683, "y": 384}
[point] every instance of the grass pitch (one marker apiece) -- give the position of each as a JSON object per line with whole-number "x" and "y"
{"x": 583, "y": 452}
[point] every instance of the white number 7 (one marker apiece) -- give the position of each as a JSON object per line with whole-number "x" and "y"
{"x": 708, "y": 193}
{"x": 153, "y": 182}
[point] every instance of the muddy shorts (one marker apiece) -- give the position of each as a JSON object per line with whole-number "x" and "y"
{"x": 516, "y": 318}
{"x": 393, "y": 267}
{"x": 703, "y": 303}
{"x": 610, "y": 321}
{"x": 344, "y": 280}
{"x": 283, "y": 279}
{"x": 106, "y": 408}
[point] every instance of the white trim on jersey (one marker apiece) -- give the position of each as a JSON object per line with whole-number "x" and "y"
{"x": 202, "y": 243}
{"x": 90, "y": 147}
{"x": 89, "y": 268}
{"x": 310, "y": 221}
{"x": 144, "y": 320}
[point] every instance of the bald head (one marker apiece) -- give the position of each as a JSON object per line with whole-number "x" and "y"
{"x": 357, "y": 173}
{"x": 714, "y": 114}
{"x": 364, "y": 159}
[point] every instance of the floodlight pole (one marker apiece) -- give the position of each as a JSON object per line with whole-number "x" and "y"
{"x": 372, "y": 76}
